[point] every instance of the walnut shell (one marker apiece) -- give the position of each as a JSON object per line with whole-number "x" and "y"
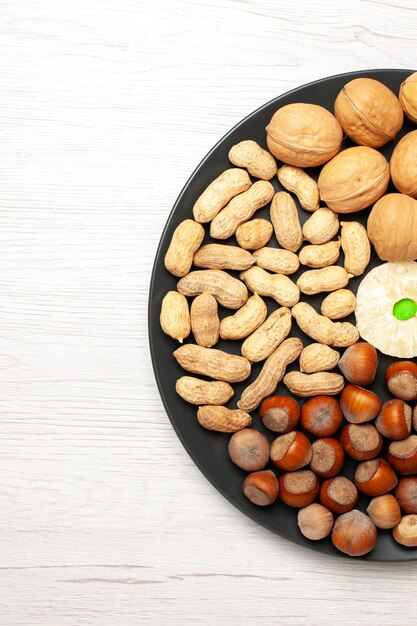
{"x": 304, "y": 135}
{"x": 354, "y": 179}
{"x": 368, "y": 112}
{"x": 408, "y": 96}
{"x": 403, "y": 164}
{"x": 392, "y": 227}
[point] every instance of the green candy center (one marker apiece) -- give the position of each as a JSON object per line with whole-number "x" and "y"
{"x": 405, "y": 309}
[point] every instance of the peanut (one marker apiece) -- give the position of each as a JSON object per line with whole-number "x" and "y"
{"x": 223, "y": 420}
{"x": 318, "y": 358}
{"x": 286, "y": 223}
{"x": 240, "y": 209}
{"x": 259, "y": 345}
{"x": 245, "y": 320}
{"x": 185, "y": 241}
{"x": 197, "y": 391}
{"x": 344, "y": 334}
{"x": 259, "y": 163}
{"x": 271, "y": 373}
{"x": 254, "y": 234}
{"x": 228, "y": 291}
{"x": 217, "y": 256}
{"x": 317, "y": 384}
{"x": 205, "y": 322}
{"x": 225, "y": 187}
{"x": 325, "y": 279}
{"x": 356, "y": 246}
{"x": 340, "y": 303}
{"x": 321, "y": 226}
{"x": 316, "y": 326}
{"x": 213, "y": 363}
{"x": 276, "y": 286}
{"x": 277, "y": 260}
{"x": 175, "y": 316}
{"x": 321, "y": 255}
{"x": 322, "y": 329}
{"x": 299, "y": 182}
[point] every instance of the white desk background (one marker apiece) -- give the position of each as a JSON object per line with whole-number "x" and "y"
{"x": 106, "y": 106}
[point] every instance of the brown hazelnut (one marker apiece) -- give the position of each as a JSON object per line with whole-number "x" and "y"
{"x": 403, "y": 164}
{"x": 261, "y": 488}
{"x": 327, "y": 457}
{"x": 394, "y": 421}
{"x": 401, "y": 379}
{"x": 249, "y": 449}
{"x": 408, "y": 96}
{"x": 354, "y": 179}
{"x": 280, "y": 413}
{"x": 338, "y": 494}
{"x": 406, "y": 531}
{"x": 359, "y": 405}
{"x": 304, "y": 135}
{"x": 291, "y": 451}
{"x": 390, "y": 223}
{"x": 375, "y": 477}
{"x": 298, "y": 489}
{"x": 403, "y": 455}
{"x": 315, "y": 521}
{"x": 361, "y": 442}
{"x": 321, "y": 416}
{"x": 406, "y": 494}
{"x": 384, "y": 511}
{"x": 359, "y": 363}
{"x": 354, "y": 533}
{"x": 368, "y": 112}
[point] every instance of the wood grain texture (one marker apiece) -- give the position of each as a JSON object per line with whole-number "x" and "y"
{"x": 105, "y": 108}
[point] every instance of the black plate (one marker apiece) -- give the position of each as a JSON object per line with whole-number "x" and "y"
{"x": 209, "y": 449}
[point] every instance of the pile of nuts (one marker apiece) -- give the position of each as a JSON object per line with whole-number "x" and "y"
{"x": 307, "y": 455}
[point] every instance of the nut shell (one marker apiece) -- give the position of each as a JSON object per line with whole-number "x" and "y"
{"x": 392, "y": 225}
{"x": 354, "y": 179}
{"x": 304, "y": 135}
{"x": 403, "y": 164}
{"x": 368, "y": 112}
{"x": 408, "y": 96}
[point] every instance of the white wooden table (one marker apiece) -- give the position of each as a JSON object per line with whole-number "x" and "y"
{"x": 106, "y": 106}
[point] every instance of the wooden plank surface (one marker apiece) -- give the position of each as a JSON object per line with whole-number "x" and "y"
{"x": 105, "y": 108}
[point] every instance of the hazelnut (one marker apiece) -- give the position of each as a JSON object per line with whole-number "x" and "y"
{"x": 384, "y": 511}
{"x": 375, "y": 477}
{"x": 406, "y": 494}
{"x": 403, "y": 164}
{"x": 394, "y": 421}
{"x": 321, "y": 416}
{"x": 298, "y": 489}
{"x": 368, "y": 112}
{"x": 291, "y": 451}
{"x": 406, "y": 531}
{"x": 354, "y": 533}
{"x": 261, "y": 488}
{"x": 401, "y": 379}
{"x": 354, "y": 179}
{"x": 315, "y": 521}
{"x": 403, "y": 455}
{"x": 249, "y": 449}
{"x": 280, "y": 413}
{"x": 408, "y": 96}
{"x": 338, "y": 494}
{"x": 390, "y": 224}
{"x": 327, "y": 457}
{"x": 304, "y": 135}
{"x": 359, "y": 363}
{"x": 361, "y": 442}
{"x": 359, "y": 405}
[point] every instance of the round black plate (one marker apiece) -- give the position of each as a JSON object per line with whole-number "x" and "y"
{"x": 209, "y": 449}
